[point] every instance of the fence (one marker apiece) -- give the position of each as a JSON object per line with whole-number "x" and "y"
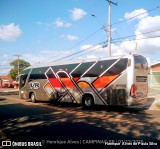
{"x": 154, "y": 79}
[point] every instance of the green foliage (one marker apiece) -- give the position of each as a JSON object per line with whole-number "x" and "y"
{"x": 14, "y": 71}
{"x": 22, "y": 63}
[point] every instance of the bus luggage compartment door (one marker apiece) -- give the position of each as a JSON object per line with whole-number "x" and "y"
{"x": 116, "y": 97}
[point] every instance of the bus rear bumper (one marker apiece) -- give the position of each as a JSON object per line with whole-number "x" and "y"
{"x": 142, "y": 103}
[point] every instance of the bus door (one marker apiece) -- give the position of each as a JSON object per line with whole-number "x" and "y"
{"x": 23, "y": 89}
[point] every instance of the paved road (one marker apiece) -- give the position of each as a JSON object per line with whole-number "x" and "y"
{"x": 23, "y": 121}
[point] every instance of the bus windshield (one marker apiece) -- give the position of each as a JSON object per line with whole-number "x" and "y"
{"x": 23, "y": 78}
{"x": 140, "y": 62}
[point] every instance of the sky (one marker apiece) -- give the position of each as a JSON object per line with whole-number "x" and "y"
{"x": 42, "y": 31}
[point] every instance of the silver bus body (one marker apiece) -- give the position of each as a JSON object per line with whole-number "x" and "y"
{"x": 119, "y": 80}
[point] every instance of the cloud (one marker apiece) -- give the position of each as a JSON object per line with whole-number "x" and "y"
{"x": 5, "y": 56}
{"x": 42, "y": 23}
{"x": 58, "y": 22}
{"x": 147, "y": 47}
{"x": 139, "y": 13}
{"x": 91, "y": 47}
{"x": 10, "y": 32}
{"x": 145, "y": 29}
{"x": 92, "y": 51}
{"x": 4, "y": 71}
{"x": 123, "y": 48}
{"x": 45, "y": 56}
{"x": 61, "y": 23}
{"x": 70, "y": 37}
{"x": 77, "y": 14}
{"x": 151, "y": 45}
{"x": 32, "y": 58}
{"x": 85, "y": 47}
{"x": 148, "y": 24}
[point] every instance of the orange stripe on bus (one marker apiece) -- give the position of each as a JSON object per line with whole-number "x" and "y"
{"x": 67, "y": 82}
{"x": 104, "y": 81}
{"x": 83, "y": 85}
{"x": 47, "y": 85}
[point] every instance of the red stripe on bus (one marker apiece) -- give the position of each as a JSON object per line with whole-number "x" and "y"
{"x": 99, "y": 83}
{"x": 67, "y": 82}
{"x": 55, "y": 82}
{"x": 75, "y": 79}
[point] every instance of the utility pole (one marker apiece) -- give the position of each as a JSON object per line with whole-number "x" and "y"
{"x": 18, "y": 61}
{"x": 136, "y": 46}
{"x": 109, "y": 25}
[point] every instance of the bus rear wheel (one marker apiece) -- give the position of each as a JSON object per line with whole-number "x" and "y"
{"x": 33, "y": 97}
{"x": 87, "y": 101}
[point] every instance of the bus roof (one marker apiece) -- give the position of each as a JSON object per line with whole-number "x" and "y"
{"x": 65, "y": 62}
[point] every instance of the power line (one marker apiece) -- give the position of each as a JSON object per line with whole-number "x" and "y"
{"x": 136, "y": 15}
{"x": 89, "y": 51}
{"x": 140, "y": 38}
{"x": 77, "y": 52}
{"x": 113, "y": 41}
{"x": 98, "y": 31}
{"x": 85, "y": 39}
{"x": 136, "y": 35}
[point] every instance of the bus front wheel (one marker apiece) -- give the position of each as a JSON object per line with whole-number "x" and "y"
{"x": 87, "y": 101}
{"x": 33, "y": 97}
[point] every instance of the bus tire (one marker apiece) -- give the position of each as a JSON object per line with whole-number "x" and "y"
{"x": 87, "y": 101}
{"x": 33, "y": 97}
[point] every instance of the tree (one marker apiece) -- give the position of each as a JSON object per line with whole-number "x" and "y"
{"x": 22, "y": 65}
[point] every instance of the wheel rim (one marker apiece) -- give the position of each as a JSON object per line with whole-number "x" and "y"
{"x": 88, "y": 101}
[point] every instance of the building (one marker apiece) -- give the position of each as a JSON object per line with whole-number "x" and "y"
{"x": 5, "y": 81}
{"x": 155, "y": 75}
{"x": 155, "y": 67}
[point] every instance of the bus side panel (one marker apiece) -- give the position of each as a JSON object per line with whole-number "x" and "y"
{"x": 116, "y": 93}
{"x": 87, "y": 88}
{"x": 37, "y": 87}
{"x": 23, "y": 92}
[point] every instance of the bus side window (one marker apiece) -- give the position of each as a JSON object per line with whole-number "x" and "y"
{"x": 34, "y": 75}
{"x": 37, "y": 73}
{"x": 22, "y": 80}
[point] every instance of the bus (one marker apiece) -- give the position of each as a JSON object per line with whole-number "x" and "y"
{"x": 118, "y": 80}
